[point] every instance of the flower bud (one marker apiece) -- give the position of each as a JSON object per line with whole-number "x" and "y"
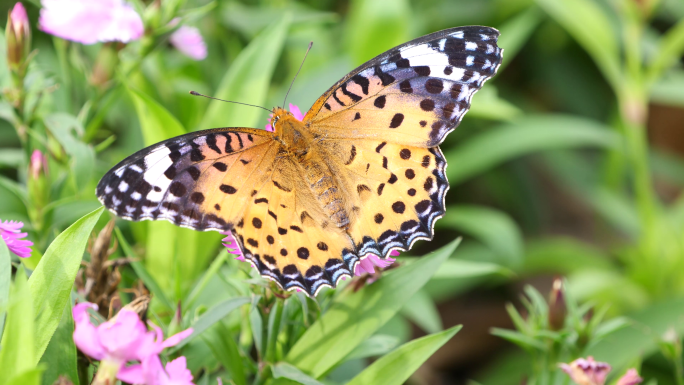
{"x": 630, "y": 378}
{"x": 18, "y": 35}
{"x": 105, "y": 65}
{"x": 38, "y": 164}
{"x": 557, "y": 307}
{"x": 587, "y": 371}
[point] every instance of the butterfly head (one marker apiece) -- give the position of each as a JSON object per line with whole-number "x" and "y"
{"x": 279, "y": 118}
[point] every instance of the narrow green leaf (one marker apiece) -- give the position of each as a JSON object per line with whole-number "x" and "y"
{"x": 422, "y": 311}
{"x": 156, "y": 122}
{"x": 29, "y": 377}
{"x": 396, "y": 367}
{"x": 274, "y": 323}
{"x": 285, "y": 370}
{"x": 488, "y": 105}
{"x": 247, "y": 80}
{"x": 458, "y": 268}
{"x": 60, "y": 356}
{"x": 18, "y": 341}
{"x": 212, "y": 316}
{"x": 53, "y": 279}
{"x": 227, "y": 353}
{"x": 669, "y": 51}
{"x": 525, "y": 342}
{"x": 353, "y": 317}
{"x": 257, "y": 324}
{"x": 587, "y": 22}
{"x": 516, "y": 31}
{"x": 492, "y": 227}
{"x": 141, "y": 272}
{"x": 374, "y": 346}
{"x": 526, "y": 135}
{"x": 5, "y": 282}
{"x": 208, "y": 275}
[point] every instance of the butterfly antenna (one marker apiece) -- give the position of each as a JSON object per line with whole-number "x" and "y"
{"x": 300, "y": 68}
{"x": 228, "y": 101}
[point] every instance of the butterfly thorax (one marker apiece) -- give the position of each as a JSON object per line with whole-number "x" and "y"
{"x": 299, "y": 145}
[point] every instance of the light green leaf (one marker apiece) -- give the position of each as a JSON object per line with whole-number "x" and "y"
{"x": 376, "y": 345}
{"x": 587, "y": 22}
{"x": 53, "y": 279}
{"x": 562, "y": 255}
{"x": 29, "y": 377}
{"x": 374, "y": 26}
{"x": 396, "y": 367}
{"x": 492, "y": 227}
{"x": 422, "y": 311}
{"x": 5, "y": 282}
{"x": 353, "y": 317}
{"x": 212, "y": 316}
{"x": 516, "y": 31}
{"x": 208, "y": 275}
{"x": 488, "y": 105}
{"x": 156, "y": 122}
{"x": 257, "y": 325}
{"x": 274, "y": 323}
{"x": 142, "y": 273}
{"x": 67, "y": 130}
{"x": 18, "y": 341}
{"x": 285, "y": 370}
{"x": 522, "y": 340}
{"x": 457, "y": 268}
{"x": 669, "y": 51}
{"x": 247, "y": 80}
{"x": 669, "y": 90}
{"x": 227, "y": 353}
{"x": 11, "y": 157}
{"x": 526, "y": 135}
{"x": 60, "y": 355}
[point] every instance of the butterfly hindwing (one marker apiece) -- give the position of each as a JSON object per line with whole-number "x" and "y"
{"x": 415, "y": 93}
{"x": 199, "y": 180}
{"x": 398, "y": 195}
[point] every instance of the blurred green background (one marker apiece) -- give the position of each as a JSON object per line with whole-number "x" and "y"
{"x": 568, "y": 164}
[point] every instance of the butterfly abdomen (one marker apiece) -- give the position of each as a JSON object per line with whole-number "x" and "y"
{"x": 324, "y": 187}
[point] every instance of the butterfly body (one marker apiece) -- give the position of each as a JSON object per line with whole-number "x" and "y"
{"x": 361, "y": 174}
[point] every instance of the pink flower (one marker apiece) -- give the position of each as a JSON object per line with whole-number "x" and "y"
{"x": 18, "y": 36}
{"x": 119, "y": 340}
{"x": 176, "y": 372}
{"x": 630, "y": 378}
{"x": 587, "y": 371}
{"x": 90, "y": 21}
{"x": 295, "y": 112}
{"x": 368, "y": 264}
{"x": 231, "y": 244}
{"x": 9, "y": 230}
{"x": 189, "y": 41}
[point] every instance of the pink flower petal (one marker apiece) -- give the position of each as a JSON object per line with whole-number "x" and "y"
{"x": 178, "y": 371}
{"x": 189, "y": 42}
{"x": 630, "y": 378}
{"x": 296, "y": 112}
{"x": 89, "y": 22}
{"x": 231, "y": 244}
{"x": 132, "y": 374}
{"x": 177, "y": 338}
{"x": 121, "y": 337}
{"x": 370, "y": 262}
{"x": 85, "y": 334}
{"x": 587, "y": 371}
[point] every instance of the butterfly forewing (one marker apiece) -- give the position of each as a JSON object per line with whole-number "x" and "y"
{"x": 199, "y": 180}
{"x": 415, "y": 93}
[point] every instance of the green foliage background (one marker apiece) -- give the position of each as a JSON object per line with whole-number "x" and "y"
{"x": 551, "y": 173}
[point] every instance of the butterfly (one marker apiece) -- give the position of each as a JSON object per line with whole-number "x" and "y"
{"x": 361, "y": 174}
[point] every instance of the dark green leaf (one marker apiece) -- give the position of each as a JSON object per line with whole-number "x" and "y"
{"x": 67, "y": 129}
{"x": 212, "y": 316}
{"x": 227, "y": 353}
{"x": 422, "y": 311}
{"x": 60, "y": 355}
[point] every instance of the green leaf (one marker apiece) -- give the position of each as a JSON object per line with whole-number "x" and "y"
{"x": 18, "y": 341}
{"x": 587, "y": 22}
{"x": 156, "y": 122}
{"x": 257, "y": 325}
{"x": 526, "y": 342}
{"x": 208, "y": 275}
{"x": 212, "y": 316}
{"x": 396, "y": 367}
{"x": 142, "y": 273}
{"x": 526, "y": 135}
{"x": 669, "y": 50}
{"x": 562, "y": 255}
{"x": 487, "y": 104}
{"x": 274, "y": 323}
{"x": 60, "y": 355}
{"x": 492, "y": 227}
{"x": 285, "y": 370}
{"x": 11, "y": 157}
{"x": 53, "y": 279}
{"x": 353, "y": 317}
{"x": 29, "y": 377}
{"x": 227, "y": 353}
{"x": 376, "y": 345}
{"x": 247, "y": 80}
{"x": 457, "y": 268}
{"x": 669, "y": 90}
{"x": 374, "y": 26}
{"x": 422, "y": 311}
{"x": 67, "y": 129}
{"x": 5, "y": 282}
{"x": 516, "y": 31}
